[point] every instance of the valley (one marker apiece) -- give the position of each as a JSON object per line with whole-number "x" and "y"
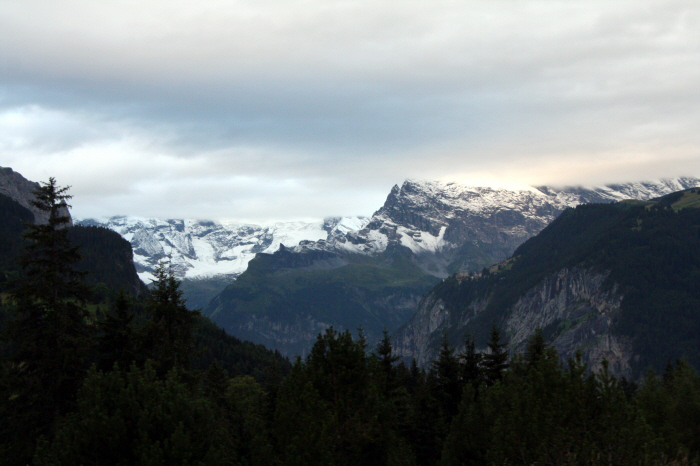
{"x": 427, "y": 231}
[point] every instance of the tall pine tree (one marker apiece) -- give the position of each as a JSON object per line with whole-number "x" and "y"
{"x": 118, "y": 342}
{"x": 470, "y": 361}
{"x": 495, "y": 362}
{"x": 386, "y": 360}
{"x": 48, "y": 333}
{"x": 445, "y": 369}
{"x": 169, "y": 332}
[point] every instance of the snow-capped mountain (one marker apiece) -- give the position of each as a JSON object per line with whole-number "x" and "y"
{"x": 432, "y": 219}
{"x": 201, "y": 249}
{"x": 450, "y": 226}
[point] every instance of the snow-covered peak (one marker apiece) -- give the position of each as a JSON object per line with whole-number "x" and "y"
{"x": 435, "y": 219}
{"x": 484, "y": 199}
{"x": 201, "y": 248}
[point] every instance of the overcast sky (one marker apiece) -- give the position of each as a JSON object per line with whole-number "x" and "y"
{"x": 283, "y": 109}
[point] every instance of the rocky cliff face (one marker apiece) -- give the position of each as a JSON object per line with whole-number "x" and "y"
{"x": 20, "y": 189}
{"x": 571, "y": 305}
{"x": 576, "y": 313}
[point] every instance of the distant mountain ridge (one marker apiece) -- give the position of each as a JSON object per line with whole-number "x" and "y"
{"x": 450, "y": 226}
{"x": 203, "y": 248}
{"x": 208, "y": 255}
{"x": 428, "y": 217}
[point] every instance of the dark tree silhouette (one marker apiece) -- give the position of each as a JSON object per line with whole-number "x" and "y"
{"x": 48, "y": 333}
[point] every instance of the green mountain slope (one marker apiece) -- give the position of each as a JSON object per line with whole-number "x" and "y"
{"x": 617, "y": 280}
{"x": 285, "y": 299}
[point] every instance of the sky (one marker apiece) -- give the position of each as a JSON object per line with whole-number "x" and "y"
{"x": 265, "y": 110}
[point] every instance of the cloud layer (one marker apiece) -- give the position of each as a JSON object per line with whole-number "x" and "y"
{"x": 261, "y": 110}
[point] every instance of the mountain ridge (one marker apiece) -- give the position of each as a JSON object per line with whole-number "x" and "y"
{"x": 413, "y": 215}
{"x": 450, "y": 226}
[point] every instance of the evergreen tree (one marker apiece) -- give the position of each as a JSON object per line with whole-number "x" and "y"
{"x": 536, "y": 348}
{"x": 362, "y": 338}
{"x": 48, "y": 331}
{"x": 495, "y": 362}
{"x": 445, "y": 370}
{"x": 471, "y": 362}
{"x": 118, "y": 342}
{"x": 386, "y": 361}
{"x": 169, "y": 331}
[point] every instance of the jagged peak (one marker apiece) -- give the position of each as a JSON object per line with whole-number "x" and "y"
{"x": 674, "y": 183}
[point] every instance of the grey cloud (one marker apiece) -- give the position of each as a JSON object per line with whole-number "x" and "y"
{"x": 356, "y": 94}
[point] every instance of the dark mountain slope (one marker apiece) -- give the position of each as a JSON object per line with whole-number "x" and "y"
{"x": 616, "y": 281}
{"x": 108, "y": 259}
{"x": 285, "y": 299}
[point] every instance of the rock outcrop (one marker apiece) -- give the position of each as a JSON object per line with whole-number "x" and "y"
{"x": 572, "y": 307}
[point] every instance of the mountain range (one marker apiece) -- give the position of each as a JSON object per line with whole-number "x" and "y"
{"x": 446, "y": 226}
{"x": 208, "y": 255}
